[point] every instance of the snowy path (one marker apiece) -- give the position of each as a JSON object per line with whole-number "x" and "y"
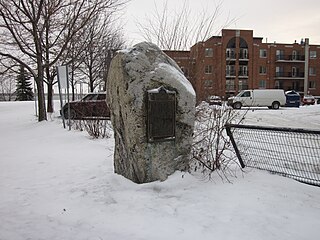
{"x": 56, "y": 184}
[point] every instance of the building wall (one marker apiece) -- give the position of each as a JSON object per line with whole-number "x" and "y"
{"x": 224, "y": 65}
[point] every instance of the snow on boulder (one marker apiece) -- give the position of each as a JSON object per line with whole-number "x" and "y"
{"x": 152, "y": 112}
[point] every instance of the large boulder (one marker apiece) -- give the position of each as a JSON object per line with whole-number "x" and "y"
{"x": 135, "y": 73}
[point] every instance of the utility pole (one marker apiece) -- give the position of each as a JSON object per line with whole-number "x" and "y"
{"x": 306, "y": 66}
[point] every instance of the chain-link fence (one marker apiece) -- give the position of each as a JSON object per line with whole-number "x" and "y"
{"x": 290, "y": 152}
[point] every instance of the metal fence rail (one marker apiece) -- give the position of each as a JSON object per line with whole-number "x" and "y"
{"x": 290, "y": 152}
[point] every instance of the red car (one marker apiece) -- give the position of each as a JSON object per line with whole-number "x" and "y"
{"x": 91, "y": 106}
{"x": 308, "y": 100}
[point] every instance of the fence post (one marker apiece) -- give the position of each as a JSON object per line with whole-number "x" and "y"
{"x": 229, "y": 133}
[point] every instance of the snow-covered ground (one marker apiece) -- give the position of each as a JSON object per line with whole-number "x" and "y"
{"x": 59, "y": 184}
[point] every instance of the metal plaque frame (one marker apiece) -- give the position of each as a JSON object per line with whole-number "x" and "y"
{"x": 161, "y": 115}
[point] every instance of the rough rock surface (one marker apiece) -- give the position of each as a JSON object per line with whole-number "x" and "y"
{"x": 133, "y": 72}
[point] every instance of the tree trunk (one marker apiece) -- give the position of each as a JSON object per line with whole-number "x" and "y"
{"x": 73, "y": 92}
{"x": 42, "y": 114}
{"x": 72, "y": 82}
{"x": 91, "y": 87}
{"x": 50, "y": 98}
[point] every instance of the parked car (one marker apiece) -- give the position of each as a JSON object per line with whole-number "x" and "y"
{"x": 308, "y": 100}
{"x": 93, "y": 105}
{"x": 292, "y": 99}
{"x": 215, "y": 100}
{"x": 271, "y": 98}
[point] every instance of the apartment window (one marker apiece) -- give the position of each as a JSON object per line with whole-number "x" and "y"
{"x": 243, "y": 71}
{"x": 263, "y": 70}
{"x": 279, "y": 72}
{"x": 230, "y": 70}
{"x": 263, "y": 84}
{"x": 230, "y": 86}
{"x": 244, "y": 53}
{"x": 295, "y": 85}
{"x": 208, "y": 52}
{"x": 312, "y": 84}
{"x": 313, "y": 54}
{"x": 312, "y": 71}
{"x": 279, "y": 85}
{"x": 208, "y": 83}
{"x": 294, "y": 71}
{"x": 263, "y": 53}
{"x": 294, "y": 55}
{"x": 230, "y": 53}
{"x": 243, "y": 85}
{"x": 208, "y": 69}
{"x": 280, "y": 54}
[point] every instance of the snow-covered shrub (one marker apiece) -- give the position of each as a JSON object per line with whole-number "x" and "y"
{"x": 212, "y": 150}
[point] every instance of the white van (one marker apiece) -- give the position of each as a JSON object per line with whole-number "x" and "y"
{"x": 271, "y": 98}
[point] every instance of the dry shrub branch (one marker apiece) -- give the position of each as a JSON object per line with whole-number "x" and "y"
{"x": 212, "y": 150}
{"x": 96, "y": 128}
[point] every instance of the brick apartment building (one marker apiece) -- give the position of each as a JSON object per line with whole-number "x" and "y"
{"x": 224, "y": 65}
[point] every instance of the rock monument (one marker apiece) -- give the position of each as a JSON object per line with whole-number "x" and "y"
{"x": 152, "y": 112}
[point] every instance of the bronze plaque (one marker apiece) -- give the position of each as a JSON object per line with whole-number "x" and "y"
{"x": 161, "y": 115}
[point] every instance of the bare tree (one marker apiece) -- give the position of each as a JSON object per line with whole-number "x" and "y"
{"x": 180, "y": 29}
{"x": 36, "y": 33}
{"x": 84, "y": 55}
{"x": 7, "y": 87}
{"x": 72, "y": 59}
{"x": 9, "y": 71}
{"x": 7, "y": 80}
{"x": 102, "y": 37}
{"x": 91, "y": 52}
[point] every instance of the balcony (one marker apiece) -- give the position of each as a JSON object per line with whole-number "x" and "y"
{"x": 230, "y": 88}
{"x": 230, "y": 73}
{"x": 290, "y": 58}
{"x": 288, "y": 75}
{"x": 243, "y": 74}
{"x": 231, "y": 56}
{"x": 243, "y": 87}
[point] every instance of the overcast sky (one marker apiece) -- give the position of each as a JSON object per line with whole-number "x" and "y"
{"x": 274, "y": 20}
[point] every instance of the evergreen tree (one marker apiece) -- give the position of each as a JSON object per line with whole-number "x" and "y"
{"x": 24, "y": 90}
